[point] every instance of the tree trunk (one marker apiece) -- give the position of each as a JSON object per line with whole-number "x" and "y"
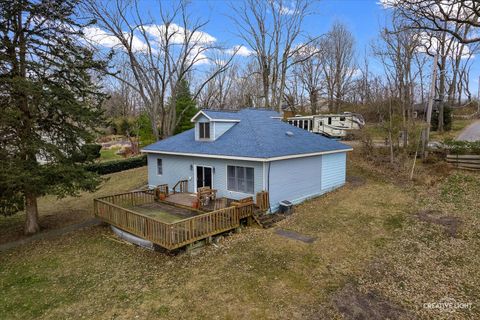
{"x": 31, "y": 210}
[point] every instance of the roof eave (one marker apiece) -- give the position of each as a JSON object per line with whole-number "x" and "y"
{"x": 286, "y": 157}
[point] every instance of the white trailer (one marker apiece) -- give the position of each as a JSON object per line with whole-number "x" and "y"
{"x": 331, "y": 125}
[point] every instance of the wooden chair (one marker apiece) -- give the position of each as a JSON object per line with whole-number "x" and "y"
{"x": 205, "y": 195}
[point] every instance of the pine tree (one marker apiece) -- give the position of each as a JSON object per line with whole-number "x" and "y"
{"x": 50, "y": 104}
{"x": 184, "y": 106}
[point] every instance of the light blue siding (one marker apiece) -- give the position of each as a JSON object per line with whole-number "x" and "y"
{"x": 333, "y": 170}
{"x": 221, "y": 127}
{"x": 177, "y": 168}
{"x": 293, "y": 179}
{"x": 302, "y": 178}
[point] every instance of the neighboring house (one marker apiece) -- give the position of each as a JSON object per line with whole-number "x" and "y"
{"x": 248, "y": 151}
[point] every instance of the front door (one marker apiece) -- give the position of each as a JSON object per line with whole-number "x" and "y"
{"x": 204, "y": 177}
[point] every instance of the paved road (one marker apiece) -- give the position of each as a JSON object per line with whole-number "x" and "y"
{"x": 470, "y": 133}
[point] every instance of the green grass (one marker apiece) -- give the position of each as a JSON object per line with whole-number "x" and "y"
{"x": 110, "y": 154}
{"x": 365, "y": 235}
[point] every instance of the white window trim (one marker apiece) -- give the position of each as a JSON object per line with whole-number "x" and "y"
{"x": 195, "y": 176}
{"x": 226, "y": 178}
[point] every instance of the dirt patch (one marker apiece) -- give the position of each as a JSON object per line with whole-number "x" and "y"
{"x": 356, "y": 181}
{"x": 353, "y": 304}
{"x": 295, "y": 235}
{"x": 450, "y": 223}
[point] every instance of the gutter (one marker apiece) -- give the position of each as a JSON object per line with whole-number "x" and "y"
{"x": 219, "y": 156}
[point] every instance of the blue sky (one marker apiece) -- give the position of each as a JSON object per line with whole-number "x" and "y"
{"x": 363, "y": 17}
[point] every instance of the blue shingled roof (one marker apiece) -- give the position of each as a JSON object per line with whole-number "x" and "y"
{"x": 257, "y": 135}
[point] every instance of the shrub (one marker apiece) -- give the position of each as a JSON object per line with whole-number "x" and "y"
{"x": 462, "y": 147}
{"x": 118, "y": 165}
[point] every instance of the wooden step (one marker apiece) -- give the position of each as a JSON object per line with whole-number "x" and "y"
{"x": 268, "y": 220}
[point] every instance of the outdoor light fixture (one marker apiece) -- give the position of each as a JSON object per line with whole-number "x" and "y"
{"x": 191, "y": 167}
{"x": 213, "y": 170}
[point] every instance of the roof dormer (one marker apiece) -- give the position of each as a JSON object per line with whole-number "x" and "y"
{"x": 210, "y": 125}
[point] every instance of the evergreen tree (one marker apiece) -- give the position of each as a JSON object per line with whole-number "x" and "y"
{"x": 447, "y": 119}
{"x": 50, "y": 104}
{"x": 184, "y": 106}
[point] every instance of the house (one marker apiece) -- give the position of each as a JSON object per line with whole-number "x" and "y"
{"x": 242, "y": 153}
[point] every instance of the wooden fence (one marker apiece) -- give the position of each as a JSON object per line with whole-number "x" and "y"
{"x": 168, "y": 235}
{"x": 467, "y": 162}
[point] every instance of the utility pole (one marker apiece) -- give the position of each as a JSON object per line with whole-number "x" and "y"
{"x": 431, "y": 97}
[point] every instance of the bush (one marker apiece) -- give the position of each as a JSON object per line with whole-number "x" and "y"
{"x": 447, "y": 119}
{"x": 118, "y": 165}
{"x": 462, "y": 147}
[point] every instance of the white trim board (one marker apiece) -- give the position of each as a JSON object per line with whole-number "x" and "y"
{"x": 211, "y": 119}
{"x": 293, "y": 156}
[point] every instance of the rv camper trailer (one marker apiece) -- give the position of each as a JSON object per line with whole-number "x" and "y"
{"x": 330, "y": 125}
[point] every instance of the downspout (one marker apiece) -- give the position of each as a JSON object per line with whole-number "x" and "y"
{"x": 268, "y": 186}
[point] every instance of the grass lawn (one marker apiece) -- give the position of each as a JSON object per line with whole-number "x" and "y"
{"x": 367, "y": 237}
{"x": 110, "y": 154}
{"x": 378, "y": 133}
{"x": 55, "y": 213}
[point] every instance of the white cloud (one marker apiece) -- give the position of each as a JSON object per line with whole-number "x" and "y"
{"x": 431, "y": 45}
{"x": 97, "y": 36}
{"x": 177, "y": 34}
{"x": 240, "y": 51}
{"x": 284, "y": 9}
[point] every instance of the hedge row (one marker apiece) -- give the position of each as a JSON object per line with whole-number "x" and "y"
{"x": 118, "y": 165}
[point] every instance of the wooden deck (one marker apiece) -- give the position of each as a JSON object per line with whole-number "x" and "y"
{"x": 114, "y": 210}
{"x": 184, "y": 198}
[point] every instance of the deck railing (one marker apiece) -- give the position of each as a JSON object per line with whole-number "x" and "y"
{"x": 168, "y": 235}
{"x": 183, "y": 186}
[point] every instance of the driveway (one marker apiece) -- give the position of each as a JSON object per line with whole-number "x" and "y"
{"x": 470, "y": 133}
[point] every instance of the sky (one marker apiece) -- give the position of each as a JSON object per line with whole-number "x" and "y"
{"x": 364, "y": 18}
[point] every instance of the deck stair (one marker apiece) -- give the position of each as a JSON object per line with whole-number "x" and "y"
{"x": 268, "y": 220}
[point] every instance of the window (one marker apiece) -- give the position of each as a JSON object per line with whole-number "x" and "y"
{"x": 204, "y": 130}
{"x": 159, "y": 167}
{"x": 329, "y": 120}
{"x": 240, "y": 179}
{"x": 342, "y": 118}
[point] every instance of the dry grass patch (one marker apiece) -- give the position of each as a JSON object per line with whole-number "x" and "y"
{"x": 56, "y": 213}
{"x": 255, "y": 274}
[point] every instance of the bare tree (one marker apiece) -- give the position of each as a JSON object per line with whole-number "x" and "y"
{"x": 441, "y": 16}
{"x": 160, "y": 53}
{"x": 309, "y": 72}
{"x": 272, "y": 28}
{"x": 339, "y": 66}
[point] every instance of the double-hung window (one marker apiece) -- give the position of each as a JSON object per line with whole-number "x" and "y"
{"x": 240, "y": 179}
{"x": 204, "y": 130}
{"x": 159, "y": 167}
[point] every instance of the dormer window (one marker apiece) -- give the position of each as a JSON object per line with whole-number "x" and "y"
{"x": 204, "y": 130}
